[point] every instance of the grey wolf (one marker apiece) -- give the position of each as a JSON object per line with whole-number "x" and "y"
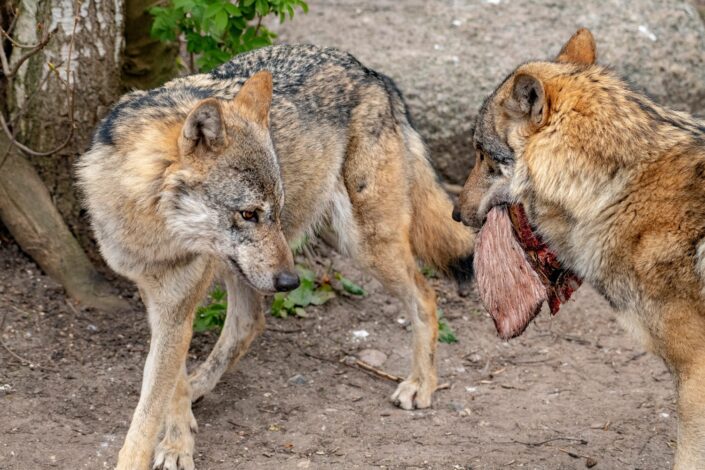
{"x": 213, "y": 174}
{"x": 615, "y": 185}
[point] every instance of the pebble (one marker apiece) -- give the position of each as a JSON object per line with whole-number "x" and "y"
{"x": 373, "y": 357}
{"x": 457, "y": 407}
{"x": 360, "y": 334}
{"x": 298, "y": 379}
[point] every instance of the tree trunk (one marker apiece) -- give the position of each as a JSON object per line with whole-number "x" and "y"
{"x": 84, "y": 51}
{"x": 27, "y": 212}
{"x": 43, "y": 101}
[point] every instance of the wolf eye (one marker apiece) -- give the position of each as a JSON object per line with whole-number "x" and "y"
{"x": 250, "y": 216}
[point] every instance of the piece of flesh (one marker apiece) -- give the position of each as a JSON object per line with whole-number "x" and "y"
{"x": 509, "y": 288}
{"x": 516, "y": 272}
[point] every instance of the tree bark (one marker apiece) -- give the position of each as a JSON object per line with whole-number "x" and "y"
{"x": 85, "y": 51}
{"x": 43, "y": 102}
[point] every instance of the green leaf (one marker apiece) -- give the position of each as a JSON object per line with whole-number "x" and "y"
{"x": 261, "y": 7}
{"x": 247, "y": 3}
{"x": 232, "y": 10}
{"x": 300, "y": 312}
{"x": 322, "y": 295}
{"x": 349, "y": 286}
{"x": 302, "y": 295}
{"x": 445, "y": 333}
{"x": 213, "y": 9}
{"x": 183, "y": 4}
{"x": 221, "y": 21}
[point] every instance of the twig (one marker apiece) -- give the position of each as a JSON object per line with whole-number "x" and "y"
{"x": 36, "y": 48}
{"x": 24, "y": 148}
{"x": 259, "y": 23}
{"x": 354, "y": 362}
{"x": 277, "y": 330}
{"x": 67, "y": 83}
{"x": 538, "y": 444}
{"x": 22, "y": 360}
{"x": 73, "y": 309}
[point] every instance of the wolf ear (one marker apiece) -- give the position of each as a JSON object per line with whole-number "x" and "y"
{"x": 528, "y": 99}
{"x": 255, "y": 98}
{"x": 203, "y": 126}
{"x": 580, "y": 49}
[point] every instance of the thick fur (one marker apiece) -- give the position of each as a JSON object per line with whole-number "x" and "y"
{"x": 204, "y": 177}
{"x": 615, "y": 184}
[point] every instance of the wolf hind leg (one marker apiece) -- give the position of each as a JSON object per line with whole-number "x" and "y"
{"x": 175, "y": 451}
{"x": 393, "y": 264}
{"x": 377, "y": 183}
{"x": 244, "y": 321}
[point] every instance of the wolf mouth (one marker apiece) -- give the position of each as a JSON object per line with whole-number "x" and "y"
{"x": 234, "y": 264}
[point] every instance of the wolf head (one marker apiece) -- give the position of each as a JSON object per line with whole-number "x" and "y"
{"x": 517, "y": 110}
{"x": 224, "y": 196}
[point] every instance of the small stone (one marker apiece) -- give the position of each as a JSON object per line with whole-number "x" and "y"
{"x": 457, "y": 407}
{"x": 298, "y": 379}
{"x": 360, "y": 334}
{"x": 373, "y": 357}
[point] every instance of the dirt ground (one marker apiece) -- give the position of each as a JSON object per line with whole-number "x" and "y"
{"x": 574, "y": 386}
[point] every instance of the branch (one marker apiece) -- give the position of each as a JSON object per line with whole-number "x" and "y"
{"x": 36, "y": 48}
{"x": 10, "y": 74}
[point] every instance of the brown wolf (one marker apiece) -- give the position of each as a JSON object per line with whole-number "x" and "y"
{"x": 615, "y": 185}
{"x": 214, "y": 174}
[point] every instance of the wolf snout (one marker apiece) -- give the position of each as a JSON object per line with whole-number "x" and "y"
{"x": 457, "y": 216}
{"x": 286, "y": 281}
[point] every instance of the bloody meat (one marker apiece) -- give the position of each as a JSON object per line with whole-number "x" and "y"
{"x": 516, "y": 272}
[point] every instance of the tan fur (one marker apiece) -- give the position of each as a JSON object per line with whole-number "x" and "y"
{"x": 168, "y": 186}
{"x": 615, "y": 184}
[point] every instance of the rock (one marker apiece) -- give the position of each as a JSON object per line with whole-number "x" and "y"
{"x": 298, "y": 379}
{"x": 373, "y": 357}
{"x": 447, "y": 57}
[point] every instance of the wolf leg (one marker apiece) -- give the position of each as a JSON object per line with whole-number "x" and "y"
{"x": 690, "y": 453}
{"x": 171, "y": 298}
{"x": 419, "y": 301}
{"x": 244, "y": 321}
{"x": 175, "y": 451}
{"x": 395, "y": 267}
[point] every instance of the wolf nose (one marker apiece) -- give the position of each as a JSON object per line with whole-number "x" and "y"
{"x": 456, "y": 214}
{"x": 286, "y": 281}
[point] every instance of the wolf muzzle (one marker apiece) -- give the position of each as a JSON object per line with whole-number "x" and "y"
{"x": 286, "y": 281}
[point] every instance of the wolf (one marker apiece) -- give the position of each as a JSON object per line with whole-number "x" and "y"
{"x": 615, "y": 185}
{"x": 215, "y": 174}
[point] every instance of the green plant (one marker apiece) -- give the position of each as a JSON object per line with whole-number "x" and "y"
{"x": 445, "y": 333}
{"x": 429, "y": 271}
{"x": 349, "y": 286}
{"x": 216, "y": 30}
{"x": 211, "y": 316}
{"x": 309, "y": 292}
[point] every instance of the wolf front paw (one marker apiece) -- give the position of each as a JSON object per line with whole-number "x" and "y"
{"x": 413, "y": 393}
{"x": 175, "y": 452}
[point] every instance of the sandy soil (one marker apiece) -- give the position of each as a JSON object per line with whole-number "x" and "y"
{"x": 573, "y": 387}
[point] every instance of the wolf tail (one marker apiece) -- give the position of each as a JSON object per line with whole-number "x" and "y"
{"x": 436, "y": 238}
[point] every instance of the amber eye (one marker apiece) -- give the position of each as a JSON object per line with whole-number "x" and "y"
{"x": 250, "y": 216}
